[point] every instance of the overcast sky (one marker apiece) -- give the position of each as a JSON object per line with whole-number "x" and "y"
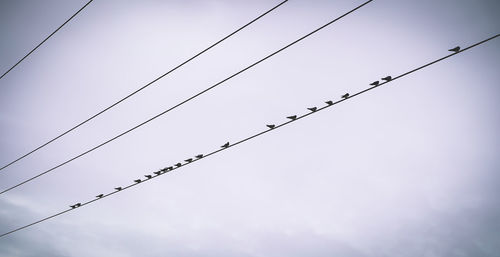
{"x": 408, "y": 169}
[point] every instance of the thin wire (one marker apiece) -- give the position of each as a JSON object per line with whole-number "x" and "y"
{"x": 51, "y": 34}
{"x": 140, "y": 89}
{"x": 256, "y": 135}
{"x": 183, "y": 102}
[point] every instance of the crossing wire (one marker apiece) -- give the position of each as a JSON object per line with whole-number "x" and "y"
{"x": 255, "y": 135}
{"x": 142, "y": 88}
{"x": 183, "y": 102}
{"x": 43, "y": 41}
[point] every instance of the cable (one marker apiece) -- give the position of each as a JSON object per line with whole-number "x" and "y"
{"x": 183, "y": 102}
{"x": 41, "y": 43}
{"x": 329, "y": 104}
{"x": 143, "y": 87}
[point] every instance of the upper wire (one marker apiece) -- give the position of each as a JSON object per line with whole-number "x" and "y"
{"x": 43, "y": 41}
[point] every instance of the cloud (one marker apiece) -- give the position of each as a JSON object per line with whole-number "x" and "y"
{"x": 27, "y": 243}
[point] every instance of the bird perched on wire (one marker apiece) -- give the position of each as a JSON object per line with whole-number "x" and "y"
{"x": 455, "y": 49}
{"x": 189, "y": 160}
{"x": 226, "y": 145}
{"x": 375, "y": 83}
{"x": 345, "y": 96}
{"x": 313, "y": 109}
{"x": 178, "y": 164}
{"x": 167, "y": 169}
{"x": 148, "y": 176}
{"x": 199, "y": 156}
{"x": 271, "y": 126}
{"x": 158, "y": 172}
{"x": 118, "y": 188}
{"x": 137, "y": 181}
{"x": 75, "y": 205}
{"x": 99, "y": 196}
{"x": 293, "y": 117}
{"x": 388, "y": 78}
{"x": 329, "y": 102}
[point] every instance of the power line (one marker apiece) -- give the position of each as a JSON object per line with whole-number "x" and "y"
{"x": 295, "y": 118}
{"x": 143, "y": 87}
{"x": 185, "y": 101}
{"x": 41, "y": 43}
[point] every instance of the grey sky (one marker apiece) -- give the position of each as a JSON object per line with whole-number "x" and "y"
{"x": 409, "y": 169}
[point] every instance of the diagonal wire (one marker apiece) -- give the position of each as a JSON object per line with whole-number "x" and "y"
{"x": 143, "y": 87}
{"x": 185, "y": 101}
{"x": 256, "y": 135}
{"x": 41, "y": 43}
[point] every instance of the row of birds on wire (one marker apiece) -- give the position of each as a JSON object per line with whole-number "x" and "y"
{"x": 227, "y": 144}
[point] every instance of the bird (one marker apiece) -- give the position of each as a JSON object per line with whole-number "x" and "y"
{"x": 293, "y": 117}
{"x": 329, "y": 102}
{"x": 118, "y": 188}
{"x": 199, "y": 156}
{"x": 178, "y": 164}
{"x": 157, "y": 172}
{"x": 313, "y": 109}
{"x": 375, "y": 83}
{"x": 148, "y": 176}
{"x": 189, "y": 160}
{"x": 271, "y": 126}
{"x": 168, "y": 169}
{"x": 137, "y": 181}
{"x": 99, "y": 196}
{"x": 226, "y": 145}
{"x": 345, "y": 96}
{"x": 388, "y": 78}
{"x": 456, "y": 49}
{"x": 75, "y": 205}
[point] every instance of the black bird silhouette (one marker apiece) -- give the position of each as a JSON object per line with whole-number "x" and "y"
{"x": 118, "y": 188}
{"x": 158, "y": 172}
{"x": 137, "y": 181}
{"x": 226, "y": 145}
{"x": 313, "y": 109}
{"x": 293, "y": 117}
{"x": 329, "y": 102}
{"x": 178, "y": 164}
{"x": 189, "y": 160}
{"x": 72, "y": 206}
{"x": 456, "y": 49}
{"x": 148, "y": 176}
{"x": 271, "y": 126}
{"x": 345, "y": 96}
{"x": 199, "y": 156}
{"x": 170, "y": 168}
{"x": 75, "y": 205}
{"x": 388, "y": 78}
{"x": 99, "y": 196}
{"x": 375, "y": 83}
